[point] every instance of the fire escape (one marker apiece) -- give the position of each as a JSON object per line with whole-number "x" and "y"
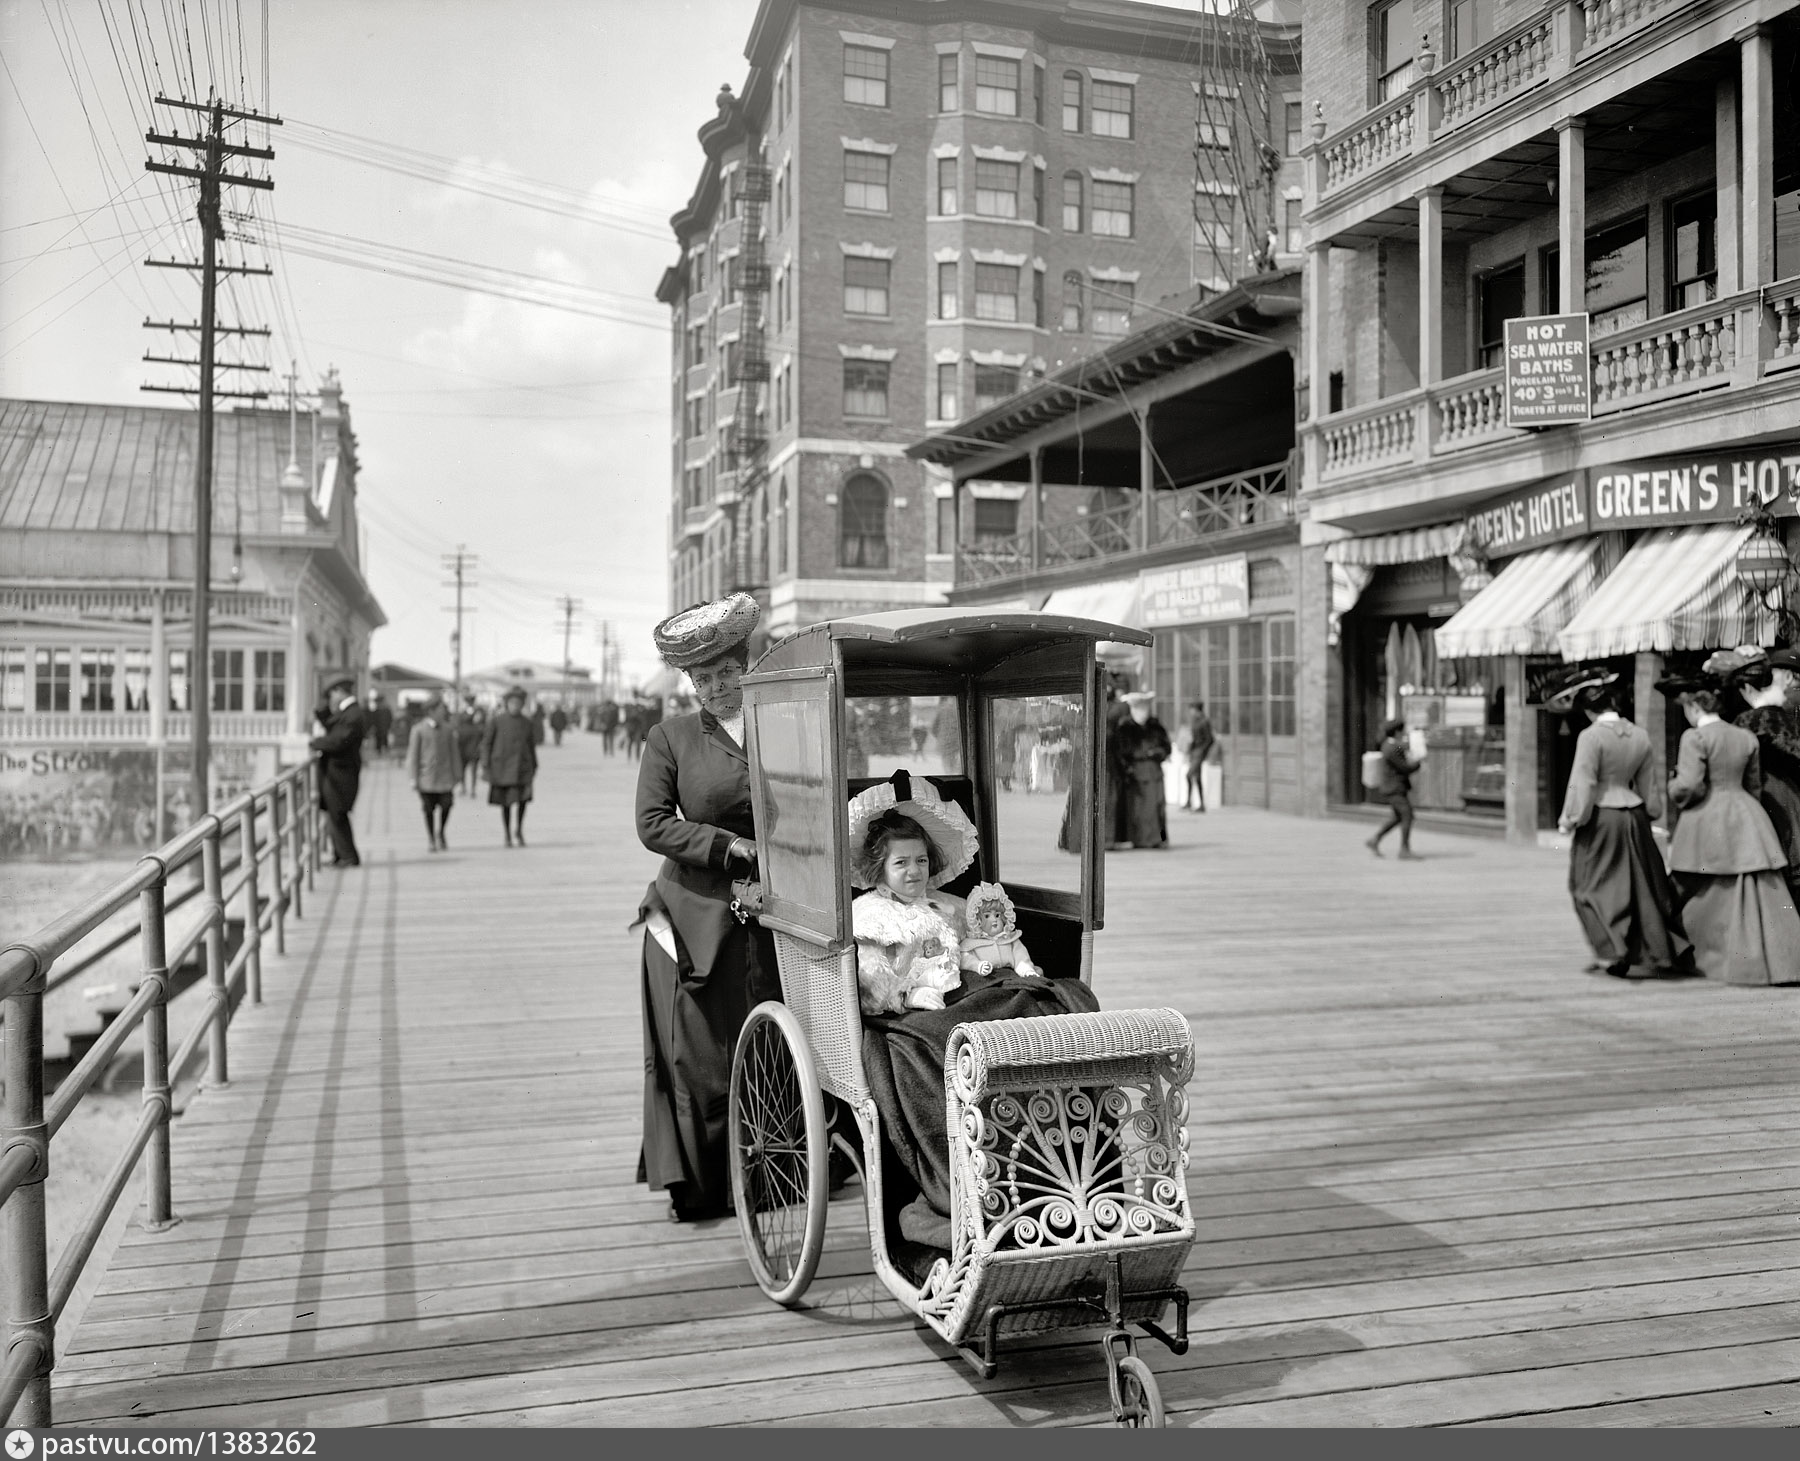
{"x": 747, "y": 441}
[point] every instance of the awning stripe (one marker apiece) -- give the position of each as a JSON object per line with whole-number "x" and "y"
{"x": 1413, "y": 546}
{"x": 1530, "y": 599}
{"x": 1112, "y": 601}
{"x": 1676, "y": 589}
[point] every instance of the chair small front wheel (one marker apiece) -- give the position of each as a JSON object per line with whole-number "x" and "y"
{"x": 779, "y": 1152}
{"x": 1140, "y": 1401}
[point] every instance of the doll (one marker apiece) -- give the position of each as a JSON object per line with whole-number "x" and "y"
{"x": 993, "y": 940}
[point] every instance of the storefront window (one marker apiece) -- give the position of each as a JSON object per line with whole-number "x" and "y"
{"x": 1281, "y": 677}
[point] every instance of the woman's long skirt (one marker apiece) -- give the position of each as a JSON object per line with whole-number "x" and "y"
{"x": 1146, "y": 807}
{"x": 1744, "y": 927}
{"x": 1622, "y": 892}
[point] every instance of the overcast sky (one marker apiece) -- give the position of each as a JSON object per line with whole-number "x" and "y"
{"x": 537, "y": 437}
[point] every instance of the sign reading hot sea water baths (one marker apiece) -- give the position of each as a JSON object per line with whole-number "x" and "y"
{"x": 1547, "y": 372}
{"x": 1209, "y": 591}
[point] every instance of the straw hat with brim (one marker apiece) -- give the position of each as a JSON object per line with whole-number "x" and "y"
{"x": 1564, "y": 688}
{"x": 945, "y": 823}
{"x": 702, "y": 633}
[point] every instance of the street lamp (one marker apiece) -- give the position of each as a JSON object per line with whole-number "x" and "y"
{"x": 1764, "y": 569}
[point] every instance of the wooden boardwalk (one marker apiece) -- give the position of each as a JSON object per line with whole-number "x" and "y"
{"x": 1440, "y": 1176}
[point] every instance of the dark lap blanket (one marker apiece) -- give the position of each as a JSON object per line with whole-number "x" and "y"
{"x": 903, "y": 1056}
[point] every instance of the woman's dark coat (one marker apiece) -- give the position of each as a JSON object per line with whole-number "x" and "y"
{"x": 509, "y": 750}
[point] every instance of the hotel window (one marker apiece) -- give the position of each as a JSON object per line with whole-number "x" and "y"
{"x": 996, "y": 518}
{"x": 1039, "y": 81}
{"x": 948, "y": 394}
{"x": 698, "y": 270}
{"x": 269, "y": 686}
{"x": 866, "y": 388}
{"x": 1037, "y": 196}
{"x": 946, "y": 190}
{"x": 779, "y": 531}
{"x": 1693, "y": 250}
{"x": 696, "y": 345}
{"x": 180, "y": 691}
{"x": 862, "y": 524}
{"x": 997, "y": 86}
{"x": 12, "y": 679}
{"x": 696, "y": 416}
{"x": 866, "y": 181}
{"x": 1618, "y": 276}
{"x": 993, "y": 384}
{"x": 1110, "y": 115}
{"x": 1071, "y": 101}
{"x": 946, "y": 524}
{"x": 1502, "y": 294}
{"x": 1071, "y": 314}
{"x": 866, "y": 76}
{"x": 1391, "y": 48}
{"x": 228, "y": 679}
{"x": 1296, "y": 134}
{"x": 949, "y": 295}
{"x": 1291, "y": 211}
{"x": 1037, "y": 298}
{"x": 1471, "y": 25}
{"x": 1112, "y": 210}
{"x": 1071, "y": 202}
{"x": 996, "y": 292}
{"x": 54, "y": 668}
{"x": 865, "y": 286}
{"x": 1213, "y": 135}
{"x": 947, "y": 88}
{"x": 97, "y": 672}
{"x": 1212, "y": 231}
{"x": 996, "y": 188}
{"x": 1112, "y": 306}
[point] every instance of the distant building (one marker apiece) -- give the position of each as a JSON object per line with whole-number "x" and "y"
{"x": 96, "y": 609}
{"x": 402, "y": 684}
{"x": 912, "y": 212}
{"x": 541, "y": 682}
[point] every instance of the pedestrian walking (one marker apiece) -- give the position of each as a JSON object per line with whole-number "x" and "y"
{"x": 1727, "y": 860}
{"x": 1142, "y": 747}
{"x": 559, "y": 722}
{"x": 469, "y": 726}
{"x": 1201, "y": 747}
{"x": 509, "y": 761}
{"x": 1394, "y": 787}
{"x": 607, "y": 719}
{"x": 381, "y": 721}
{"x": 1622, "y": 894}
{"x": 339, "y": 751}
{"x": 434, "y": 767}
{"x": 703, "y": 971}
{"x": 538, "y": 717}
{"x": 1767, "y": 682}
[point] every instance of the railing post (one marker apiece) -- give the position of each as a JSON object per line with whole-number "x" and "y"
{"x": 276, "y": 833}
{"x": 153, "y": 935}
{"x": 297, "y": 845}
{"x": 314, "y": 861}
{"x": 252, "y": 904}
{"x": 218, "y": 1067}
{"x": 28, "y": 1321}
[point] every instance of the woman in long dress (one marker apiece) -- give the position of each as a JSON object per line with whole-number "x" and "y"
{"x": 703, "y": 971}
{"x": 1767, "y": 683}
{"x": 1617, "y": 881}
{"x": 1143, "y": 746}
{"x": 1725, "y": 855}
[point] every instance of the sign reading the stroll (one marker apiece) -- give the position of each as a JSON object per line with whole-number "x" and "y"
{"x": 1196, "y": 593}
{"x": 1547, "y": 379}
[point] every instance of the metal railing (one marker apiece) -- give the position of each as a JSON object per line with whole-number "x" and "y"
{"x": 289, "y": 845}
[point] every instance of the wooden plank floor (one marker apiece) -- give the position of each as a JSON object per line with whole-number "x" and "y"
{"x": 1441, "y": 1177}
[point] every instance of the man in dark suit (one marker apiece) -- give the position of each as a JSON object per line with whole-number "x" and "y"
{"x": 340, "y": 763}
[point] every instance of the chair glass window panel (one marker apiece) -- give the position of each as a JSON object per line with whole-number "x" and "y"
{"x": 948, "y": 395}
{"x": 1113, "y": 299}
{"x": 866, "y": 388}
{"x": 98, "y": 673}
{"x": 1502, "y": 299}
{"x": 862, "y": 523}
{"x": 1071, "y": 101}
{"x": 1071, "y": 202}
{"x": 997, "y": 85}
{"x": 948, "y": 292}
{"x": 993, "y": 384}
{"x": 53, "y": 675}
{"x": 1072, "y": 305}
{"x": 996, "y": 292}
{"x": 13, "y": 679}
{"x": 866, "y": 285}
{"x": 1110, "y": 114}
{"x": 269, "y": 681}
{"x": 866, "y": 76}
{"x": 1692, "y": 235}
{"x": 946, "y": 187}
{"x": 1039, "y": 738}
{"x": 948, "y": 99}
{"x": 866, "y": 181}
{"x": 1617, "y": 282}
{"x": 228, "y": 679}
{"x": 996, "y": 188}
{"x": 1391, "y": 48}
{"x": 1112, "y": 209}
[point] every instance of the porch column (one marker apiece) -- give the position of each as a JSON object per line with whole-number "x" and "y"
{"x": 1571, "y": 220}
{"x": 1756, "y": 93}
{"x": 299, "y": 710}
{"x": 956, "y": 498}
{"x": 1037, "y": 507}
{"x": 158, "y": 686}
{"x": 1146, "y": 481}
{"x": 1318, "y": 385}
{"x": 1431, "y": 286}
{"x": 1521, "y": 757}
{"x": 1727, "y": 181}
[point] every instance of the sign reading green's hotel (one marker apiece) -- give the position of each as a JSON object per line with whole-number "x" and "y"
{"x": 1548, "y": 380}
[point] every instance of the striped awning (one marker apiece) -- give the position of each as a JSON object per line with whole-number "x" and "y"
{"x": 1530, "y": 599}
{"x": 1111, "y": 600}
{"x": 1676, "y": 589}
{"x": 1416, "y": 545}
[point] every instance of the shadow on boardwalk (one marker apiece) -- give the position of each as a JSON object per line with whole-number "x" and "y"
{"x": 1439, "y": 1175}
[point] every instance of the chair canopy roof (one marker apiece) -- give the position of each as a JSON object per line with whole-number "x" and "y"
{"x": 945, "y": 640}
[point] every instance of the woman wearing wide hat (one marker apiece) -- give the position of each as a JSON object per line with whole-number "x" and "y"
{"x": 1727, "y": 860}
{"x": 1617, "y": 881}
{"x": 1768, "y": 683}
{"x": 703, "y": 971}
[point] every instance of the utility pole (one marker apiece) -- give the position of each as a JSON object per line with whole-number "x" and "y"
{"x": 460, "y": 564}
{"x": 211, "y": 176}
{"x": 570, "y": 607}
